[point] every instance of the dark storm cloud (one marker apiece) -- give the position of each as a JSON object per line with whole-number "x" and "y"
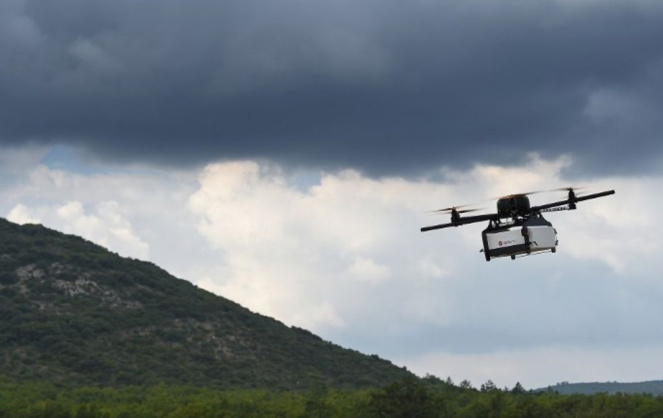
{"x": 386, "y": 86}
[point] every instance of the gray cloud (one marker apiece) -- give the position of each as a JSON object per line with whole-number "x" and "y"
{"x": 384, "y": 86}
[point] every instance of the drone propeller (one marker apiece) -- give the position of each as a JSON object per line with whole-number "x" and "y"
{"x": 571, "y": 193}
{"x": 455, "y": 209}
{"x": 509, "y": 196}
{"x": 566, "y": 189}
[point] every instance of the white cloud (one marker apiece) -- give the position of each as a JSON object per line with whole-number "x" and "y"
{"x": 351, "y": 244}
{"x": 345, "y": 227}
{"x": 106, "y": 226}
{"x": 132, "y": 212}
{"x": 288, "y": 253}
{"x": 22, "y": 215}
{"x": 344, "y": 257}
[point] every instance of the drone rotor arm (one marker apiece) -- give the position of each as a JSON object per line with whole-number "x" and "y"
{"x": 440, "y": 226}
{"x": 572, "y": 201}
{"x": 462, "y": 221}
{"x": 594, "y": 196}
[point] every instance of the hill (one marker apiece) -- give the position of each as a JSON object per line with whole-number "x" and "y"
{"x": 654, "y": 387}
{"x": 72, "y": 312}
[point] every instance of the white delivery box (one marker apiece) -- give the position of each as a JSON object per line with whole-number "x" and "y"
{"x": 533, "y": 236}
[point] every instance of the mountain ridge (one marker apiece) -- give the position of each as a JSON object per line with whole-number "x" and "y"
{"x": 72, "y": 312}
{"x": 652, "y": 387}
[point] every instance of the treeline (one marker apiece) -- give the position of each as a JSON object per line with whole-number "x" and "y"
{"x": 409, "y": 398}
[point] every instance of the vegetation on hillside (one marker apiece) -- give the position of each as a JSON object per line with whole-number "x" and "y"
{"x": 408, "y": 398}
{"x": 73, "y": 313}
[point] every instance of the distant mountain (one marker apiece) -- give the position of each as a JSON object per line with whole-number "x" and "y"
{"x": 654, "y": 387}
{"x": 72, "y": 312}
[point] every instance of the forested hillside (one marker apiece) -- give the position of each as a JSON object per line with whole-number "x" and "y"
{"x": 73, "y": 313}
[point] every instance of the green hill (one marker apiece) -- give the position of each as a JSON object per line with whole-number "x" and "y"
{"x": 654, "y": 387}
{"x": 73, "y": 313}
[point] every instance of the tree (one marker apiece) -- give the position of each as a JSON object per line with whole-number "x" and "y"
{"x": 489, "y": 386}
{"x": 518, "y": 389}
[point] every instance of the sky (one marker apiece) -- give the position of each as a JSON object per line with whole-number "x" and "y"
{"x": 285, "y": 154}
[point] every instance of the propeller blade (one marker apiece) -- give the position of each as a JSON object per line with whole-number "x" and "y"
{"x": 437, "y": 212}
{"x": 452, "y": 208}
{"x": 570, "y": 191}
{"x": 509, "y": 196}
{"x": 566, "y": 189}
{"x": 470, "y": 210}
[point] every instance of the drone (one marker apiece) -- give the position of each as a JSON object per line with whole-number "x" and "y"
{"x": 517, "y": 229}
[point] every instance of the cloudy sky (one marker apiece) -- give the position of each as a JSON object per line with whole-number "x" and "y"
{"x": 284, "y": 153}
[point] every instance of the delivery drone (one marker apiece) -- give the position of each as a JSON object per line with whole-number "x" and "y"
{"x": 517, "y": 229}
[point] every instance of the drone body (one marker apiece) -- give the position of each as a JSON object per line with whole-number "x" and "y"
{"x": 517, "y": 229}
